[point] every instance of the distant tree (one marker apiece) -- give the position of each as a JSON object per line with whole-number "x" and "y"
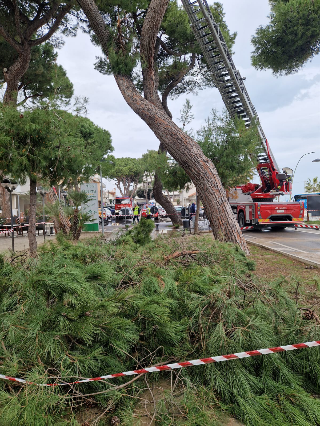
{"x": 312, "y": 185}
{"x": 141, "y": 193}
{"x": 231, "y": 146}
{"x": 125, "y": 171}
{"x": 48, "y": 145}
{"x": 290, "y": 39}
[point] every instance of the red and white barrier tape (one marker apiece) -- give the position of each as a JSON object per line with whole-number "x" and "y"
{"x": 7, "y": 231}
{"x": 246, "y": 228}
{"x": 308, "y": 226}
{"x": 175, "y": 365}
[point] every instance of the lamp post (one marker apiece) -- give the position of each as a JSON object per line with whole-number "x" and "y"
{"x": 10, "y": 187}
{"x": 294, "y": 173}
{"x": 43, "y": 193}
{"x": 101, "y": 196}
{"x": 307, "y": 153}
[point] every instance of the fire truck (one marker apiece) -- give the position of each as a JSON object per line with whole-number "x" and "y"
{"x": 123, "y": 208}
{"x": 253, "y": 204}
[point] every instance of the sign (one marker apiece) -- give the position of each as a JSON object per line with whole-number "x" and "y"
{"x": 91, "y": 207}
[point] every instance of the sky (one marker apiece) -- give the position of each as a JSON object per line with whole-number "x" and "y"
{"x": 288, "y": 106}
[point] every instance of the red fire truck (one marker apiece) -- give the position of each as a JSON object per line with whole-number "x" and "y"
{"x": 253, "y": 204}
{"x": 123, "y": 208}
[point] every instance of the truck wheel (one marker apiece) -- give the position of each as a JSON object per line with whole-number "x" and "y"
{"x": 241, "y": 220}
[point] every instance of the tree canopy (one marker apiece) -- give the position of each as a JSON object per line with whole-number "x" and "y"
{"x": 180, "y": 64}
{"x": 290, "y": 39}
{"x": 125, "y": 171}
{"x": 231, "y": 146}
{"x": 25, "y": 25}
{"x": 44, "y": 79}
{"x": 50, "y": 144}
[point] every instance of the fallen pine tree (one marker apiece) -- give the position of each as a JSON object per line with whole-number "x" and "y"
{"x": 95, "y": 308}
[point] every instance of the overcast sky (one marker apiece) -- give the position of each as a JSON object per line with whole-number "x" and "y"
{"x": 288, "y": 107}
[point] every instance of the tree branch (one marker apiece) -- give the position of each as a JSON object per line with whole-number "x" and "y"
{"x": 174, "y": 83}
{"x": 38, "y": 22}
{"x": 97, "y": 24}
{"x": 148, "y": 41}
{"x": 63, "y": 12}
{"x": 9, "y": 39}
{"x": 169, "y": 51}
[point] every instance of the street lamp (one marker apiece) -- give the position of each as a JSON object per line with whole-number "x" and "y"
{"x": 294, "y": 173}
{"x": 10, "y": 187}
{"x": 317, "y": 160}
{"x": 307, "y": 153}
{"x": 43, "y": 193}
{"x": 101, "y": 196}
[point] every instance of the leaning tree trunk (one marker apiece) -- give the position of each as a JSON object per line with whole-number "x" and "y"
{"x": 189, "y": 155}
{"x": 164, "y": 201}
{"x": 179, "y": 145}
{"x": 32, "y": 218}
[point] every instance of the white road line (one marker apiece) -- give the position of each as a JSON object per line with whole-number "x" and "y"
{"x": 287, "y": 247}
{"x": 310, "y": 232}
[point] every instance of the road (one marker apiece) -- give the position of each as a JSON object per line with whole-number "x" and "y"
{"x": 302, "y": 243}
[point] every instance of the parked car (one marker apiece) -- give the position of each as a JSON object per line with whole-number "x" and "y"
{"x": 111, "y": 208}
{"x": 162, "y": 213}
{"x": 107, "y": 215}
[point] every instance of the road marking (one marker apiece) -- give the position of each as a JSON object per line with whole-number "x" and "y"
{"x": 287, "y": 247}
{"x": 310, "y": 232}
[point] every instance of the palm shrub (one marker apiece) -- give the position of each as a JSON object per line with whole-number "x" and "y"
{"x": 94, "y": 308}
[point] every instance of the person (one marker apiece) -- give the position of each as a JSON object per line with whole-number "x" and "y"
{"x": 148, "y": 212}
{"x": 136, "y": 212}
{"x": 192, "y": 212}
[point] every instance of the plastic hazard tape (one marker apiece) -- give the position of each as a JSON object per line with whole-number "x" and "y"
{"x": 246, "y": 228}
{"x": 7, "y": 231}
{"x": 308, "y": 226}
{"x": 169, "y": 367}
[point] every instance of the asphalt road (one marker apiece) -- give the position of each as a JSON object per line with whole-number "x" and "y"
{"x": 302, "y": 243}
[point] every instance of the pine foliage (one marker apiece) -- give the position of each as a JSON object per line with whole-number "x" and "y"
{"x": 97, "y": 308}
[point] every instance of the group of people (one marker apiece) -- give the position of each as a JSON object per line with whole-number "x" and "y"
{"x": 136, "y": 213}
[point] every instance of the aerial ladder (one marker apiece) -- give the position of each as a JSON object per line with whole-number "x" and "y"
{"x": 236, "y": 99}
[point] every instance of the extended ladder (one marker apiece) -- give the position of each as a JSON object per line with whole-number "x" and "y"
{"x": 225, "y": 75}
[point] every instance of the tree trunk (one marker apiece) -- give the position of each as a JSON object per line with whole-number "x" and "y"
{"x": 164, "y": 201}
{"x": 179, "y": 145}
{"x": 14, "y": 74}
{"x": 196, "y": 219}
{"x": 32, "y": 218}
{"x": 5, "y": 203}
{"x": 189, "y": 155}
